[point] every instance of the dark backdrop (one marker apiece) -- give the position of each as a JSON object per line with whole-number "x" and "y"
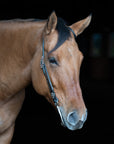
{"x": 38, "y": 121}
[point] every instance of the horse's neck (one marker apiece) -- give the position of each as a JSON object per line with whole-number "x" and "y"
{"x": 18, "y": 43}
{"x": 20, "y": 39}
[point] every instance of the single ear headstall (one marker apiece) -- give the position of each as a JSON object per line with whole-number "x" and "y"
{"x": 72, "y": 32}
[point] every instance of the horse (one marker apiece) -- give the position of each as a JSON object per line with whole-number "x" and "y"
{"x": 45, "y": 53}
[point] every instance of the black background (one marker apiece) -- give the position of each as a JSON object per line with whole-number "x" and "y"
{"x": 38, "y": 121}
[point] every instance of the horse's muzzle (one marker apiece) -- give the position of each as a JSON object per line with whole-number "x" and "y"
{"x": 72, "y": 121}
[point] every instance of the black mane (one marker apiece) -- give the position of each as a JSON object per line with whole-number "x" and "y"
{"x": 64, "y": 33}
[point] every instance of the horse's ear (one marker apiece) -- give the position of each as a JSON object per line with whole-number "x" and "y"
{"x": 79, "y": 26}
{"x": 51, "y": 23}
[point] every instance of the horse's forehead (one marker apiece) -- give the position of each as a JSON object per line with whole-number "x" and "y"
{"x": 70, "y": 57}
{"x": 68, "y": 49}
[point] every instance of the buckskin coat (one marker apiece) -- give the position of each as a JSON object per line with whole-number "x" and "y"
{"x": 20, "y": 54}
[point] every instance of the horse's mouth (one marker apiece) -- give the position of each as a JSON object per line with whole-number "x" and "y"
{"x": 73, "y": 124}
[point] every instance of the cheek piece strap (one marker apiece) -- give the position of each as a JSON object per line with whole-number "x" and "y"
{"x": 45, "y": 72}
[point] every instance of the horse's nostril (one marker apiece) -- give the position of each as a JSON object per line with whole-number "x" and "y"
{"x": 72, "y": 118}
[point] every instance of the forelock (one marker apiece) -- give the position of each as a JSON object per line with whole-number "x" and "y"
{"x": 63, "y": 33}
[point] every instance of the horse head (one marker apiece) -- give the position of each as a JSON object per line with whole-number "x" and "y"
{"x": 63, "y": 60}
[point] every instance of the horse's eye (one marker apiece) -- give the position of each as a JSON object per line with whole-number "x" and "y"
{"x": 52, "y": 60}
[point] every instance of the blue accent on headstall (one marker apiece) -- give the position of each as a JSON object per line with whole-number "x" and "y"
{"x": 72, "y": 32}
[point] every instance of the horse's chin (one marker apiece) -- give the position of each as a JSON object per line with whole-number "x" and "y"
{"x": 65, "y": 123}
